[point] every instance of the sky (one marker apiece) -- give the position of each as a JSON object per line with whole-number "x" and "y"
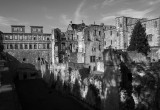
{"x": 58, "y": 13}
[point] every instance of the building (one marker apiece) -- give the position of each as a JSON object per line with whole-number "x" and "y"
{"x": 75, "y": 42}
{"x": 125, "y": 26}
{"x": 30, "y": 47}
{"x": 60, "y": 46}
{"x": 94, "y": 45}
{"x": 122, "y": 24}
{"x": 111, "y": 36}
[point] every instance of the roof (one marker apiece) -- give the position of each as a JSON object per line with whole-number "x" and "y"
{"x": 37, "y": 26}
{"x": 17, "y": 25}
{"x": 78, "y": 27}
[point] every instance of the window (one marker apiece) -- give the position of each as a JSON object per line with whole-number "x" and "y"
{"x": 26, "y": 46}
{"x": 15, "y": 37}
{"x": 34, "y": 38}
{"x": 99, "y": 47}
{"x": 47, "y": 38}
{"x": 11, "y": 46}
{"x": 16, "y": 46}
{"x": 92, "y": 58}
{"x": 149, "y": 37}
{"x": 30, "y": 46}
{"x": 20, "y": 37}
{"x": 44, "y": 46}
{"x": 93, "y": 49}
{"x": 25, "y": 37}
{"x": 48, "y": 46}
{"x": 10, "y": 37}
{"x": 111, "y": 33}
{"x": 7, "y": 46}
{"x": 35, "y": 46}
{"x": 155, "y": 24}
{"x": 120, "y": 25}
{"x": 99, "y": 33}
{"x": 21, "y": 46}
{"x": 29, "y": 37}
{"x": 20, "y": 29}
{"x": 95, "y": 32}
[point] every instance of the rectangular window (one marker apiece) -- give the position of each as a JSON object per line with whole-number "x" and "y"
{"x": 30, "y": 46}
{"x": 99, "y": 33}
{"x": 44, "y": 46}
{"x": 111, "y": 33}
{"x": 7, "y": 46}
{"x": 26, "y": 46}
{"x": 20, "y": 37}
{"x": 10, "y": 37}
{"x": 21, "y": 46}
{"x": 35, "y": 46}
{"x": 48, "y": 46}
{"x": 92, "y": 58}
{"x": 16, "y": 46}
{"x": 11, "y": 46}
{"x": 15, "y": 37}
{"x": 155, "y": 24}
{"x": 25, "y": 37}
{"x": 34, "y": 38}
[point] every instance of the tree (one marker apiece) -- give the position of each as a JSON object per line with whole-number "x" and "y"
{"x": 93, "y": 96}
{"x": 76, "y": 89}
{"x": 139, "y": 41}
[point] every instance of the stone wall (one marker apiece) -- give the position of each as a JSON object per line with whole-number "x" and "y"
{"x": 31, "y": 56}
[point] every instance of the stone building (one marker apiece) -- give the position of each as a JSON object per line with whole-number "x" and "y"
{"x": 60, "y": 46}
{"x": 111, "y": 36}
{"x": 28, "y": 47}
{"x": 122, "y": 24}
{"x": 75, "y": 42}
{"x": 125, "y": 27}
{"x": 94, "y": 42}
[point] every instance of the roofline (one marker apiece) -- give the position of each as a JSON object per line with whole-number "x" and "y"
{"x": 27, "y": 33}
{"x": 17, "y": 25}
{"x": 145, "y": 21}
{"x": 37, "y": 26}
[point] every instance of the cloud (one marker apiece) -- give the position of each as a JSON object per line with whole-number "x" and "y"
{"x": 78, "y": 14}
{"x": 49, "y": 17}
{"x": 107, "y": 2}
{"x": 65, "y": 20}
{"x": 110, "y": 18}
{"x": 7, "y": 21}
{"x": 153, "y": 2}
{"x": 134, "y": 13}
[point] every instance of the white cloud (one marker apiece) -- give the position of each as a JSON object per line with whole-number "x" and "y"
{"x": 107, "y": 2}
{"x": 78, "y": 16}
{"x": 49, "y": 17}
{"x": 134, "y": 13}
{"x": 65, "y": 20}
{"x": 110, "y": 18}
{"x": 4, "y": 21}
{"x": 153, "y": 2}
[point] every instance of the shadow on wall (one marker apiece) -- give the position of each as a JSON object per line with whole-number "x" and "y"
{"x": 16, "y": 70}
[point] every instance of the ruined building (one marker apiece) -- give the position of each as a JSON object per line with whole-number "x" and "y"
{"x": 28, "y": 47}
{"x": 125, "y": 26}
{"x": 111, "y": 37}
{"x": 94, "y": 45}
{"x": 75, "y": 42}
